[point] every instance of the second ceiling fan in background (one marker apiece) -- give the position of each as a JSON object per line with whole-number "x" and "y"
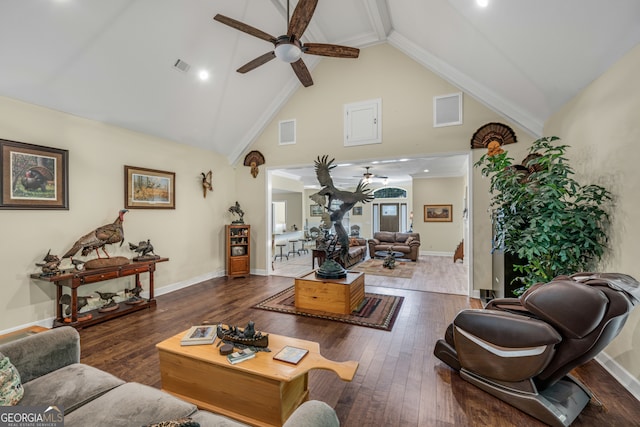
{"x": 288, "y": 47}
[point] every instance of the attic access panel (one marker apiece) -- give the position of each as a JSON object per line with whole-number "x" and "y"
{"x": 363, "y": 123}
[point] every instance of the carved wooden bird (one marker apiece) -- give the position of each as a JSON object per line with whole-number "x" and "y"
{"x": 66, "y": 300}
{"x": 98, "y": 238}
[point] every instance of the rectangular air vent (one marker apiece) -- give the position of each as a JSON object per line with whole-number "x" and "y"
{"x": 287, "y": 134}
{"x": 447, "y": 110}
{"x": 180, "y": 65}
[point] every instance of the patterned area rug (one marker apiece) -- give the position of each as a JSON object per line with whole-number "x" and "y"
{"x": 376, "y": 310}
{"x": 404, "y": 269}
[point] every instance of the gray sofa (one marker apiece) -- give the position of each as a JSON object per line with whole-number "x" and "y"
{"x": 51, "y": 374}
{"x": 407, "y": 243}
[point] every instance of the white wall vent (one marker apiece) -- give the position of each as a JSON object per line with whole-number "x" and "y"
{"x": 287, "y": 132}
{"x": 180, "y": 65}
{"x": 447, "y": 110}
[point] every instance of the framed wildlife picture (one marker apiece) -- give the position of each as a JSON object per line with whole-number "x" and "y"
{"x": 438, "y": 213}
{"x": 357, "y": 210}
{"x": 316, "y": 210}
{"x": 149, "y": 188}
{"x": 33, "y": 176}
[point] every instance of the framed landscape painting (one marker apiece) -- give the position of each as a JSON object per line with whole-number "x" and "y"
{"x": 33, "y": 176}
{"x": 438, "y": 213}
{"x": 316, "y": 210}
{"x": 149, "y": 188}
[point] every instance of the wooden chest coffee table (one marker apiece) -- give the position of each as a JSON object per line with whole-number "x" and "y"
{"x": 260, "y": 391}
{"x": 340, "y": 296}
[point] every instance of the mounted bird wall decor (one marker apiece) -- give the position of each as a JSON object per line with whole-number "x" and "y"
{"x": 206, "y": 183}
{"x": 253, "y": 160}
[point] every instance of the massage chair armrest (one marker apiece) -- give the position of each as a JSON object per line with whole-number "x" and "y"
{"x": 502, "y": 345}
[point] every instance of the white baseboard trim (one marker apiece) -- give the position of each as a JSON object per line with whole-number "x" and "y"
{"x": 621, "y": 375}
{"x": 432, "y": 253}
{"x": 45, "y": 323}
{"x": 184, "y": 284}
{"x": 261, "y": 272}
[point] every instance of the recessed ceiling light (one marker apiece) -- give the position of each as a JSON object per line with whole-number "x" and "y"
{"x": 203, "y": 75}
{"x": 482, "y": 3}
{"x": 426, "y": 170}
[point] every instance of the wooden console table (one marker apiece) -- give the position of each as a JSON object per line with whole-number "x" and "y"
{"x": 73, "y": 279}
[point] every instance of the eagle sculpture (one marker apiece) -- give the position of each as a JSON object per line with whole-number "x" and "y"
{"x": 98, "y": 238}
{"x": 328, "y": 193}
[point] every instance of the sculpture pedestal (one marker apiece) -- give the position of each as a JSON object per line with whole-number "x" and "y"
{"x": 340, "y": 296}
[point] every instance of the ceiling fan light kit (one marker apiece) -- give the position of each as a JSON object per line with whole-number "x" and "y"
{"x": 288, "y": 51}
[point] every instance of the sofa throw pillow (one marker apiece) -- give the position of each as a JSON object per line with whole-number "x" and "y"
{"x": 180, "y": 422}
{"x": 354, "y": 242}
{"x": 11, "y": 390}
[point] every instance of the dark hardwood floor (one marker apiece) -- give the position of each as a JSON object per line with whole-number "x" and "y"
{"x": 398, "y": 383}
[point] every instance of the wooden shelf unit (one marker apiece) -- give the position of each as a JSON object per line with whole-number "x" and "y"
{"x": 238, "y": 237}
{"x": 73, "y": 279}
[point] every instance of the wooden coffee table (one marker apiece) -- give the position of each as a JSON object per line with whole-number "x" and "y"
{"x": 260, "y": 391}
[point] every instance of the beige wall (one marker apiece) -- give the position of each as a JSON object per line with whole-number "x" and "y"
{"x": 191, "y": 235}
{"x": 602, "y": 125}
{"x": 407, "y": 90}
{"x": 439, "y": 237}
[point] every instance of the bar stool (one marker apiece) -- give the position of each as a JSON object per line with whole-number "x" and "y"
{"x": 280, "y": 246}
{"x": 293, "y": 248}
{"x": 303, "y": 250}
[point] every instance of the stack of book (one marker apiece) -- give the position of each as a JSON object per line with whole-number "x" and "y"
{"x": 241, "y": 356}
{"x": 199, "y": 335}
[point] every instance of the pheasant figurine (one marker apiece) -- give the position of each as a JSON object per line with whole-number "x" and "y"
{"x": 98, "y": 238}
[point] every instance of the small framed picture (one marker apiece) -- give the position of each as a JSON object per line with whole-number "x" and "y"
{"x": 438, "y": 213}
{"x": 316, "y": 210}
{"x": 199, "y": 335}
{"x": 291, "y": 354}
{"x": 149, "y": 188}
{"x": 357, "y": 210}
{"x": 33, "y": 177}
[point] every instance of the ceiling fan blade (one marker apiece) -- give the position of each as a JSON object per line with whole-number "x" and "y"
{"x": 262, "y": 59}
{"x": 302, "y": 72}
{"x": 301, "y": 17}
{"x": 245, "y": 28}
{"x": 332, "y": 50}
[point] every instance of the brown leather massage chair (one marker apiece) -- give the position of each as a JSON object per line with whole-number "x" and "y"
{"x": 521, "y": 350}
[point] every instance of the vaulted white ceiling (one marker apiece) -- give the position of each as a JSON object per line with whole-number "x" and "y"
{"x": 113, "y": 60}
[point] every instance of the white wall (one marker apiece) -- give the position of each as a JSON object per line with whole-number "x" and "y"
{"x": 438, "y": 237}
{"x": 191, "y": 235}
{"x": 602, "y": 126}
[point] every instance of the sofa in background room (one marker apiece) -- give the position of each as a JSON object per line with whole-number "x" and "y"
{"x": 407, "y": 243}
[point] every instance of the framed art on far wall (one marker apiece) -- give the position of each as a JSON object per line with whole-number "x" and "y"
{"x": 438, "y": 213}
{"x": 357, "y": 210}
{"x": 33, "y": 176}
{"x": 149, "y": 188}
{"x": 316, "y": 210}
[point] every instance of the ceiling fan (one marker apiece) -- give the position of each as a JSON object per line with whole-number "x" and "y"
{"x": 288, "y": 47}
{"x": 368, "y": 176}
